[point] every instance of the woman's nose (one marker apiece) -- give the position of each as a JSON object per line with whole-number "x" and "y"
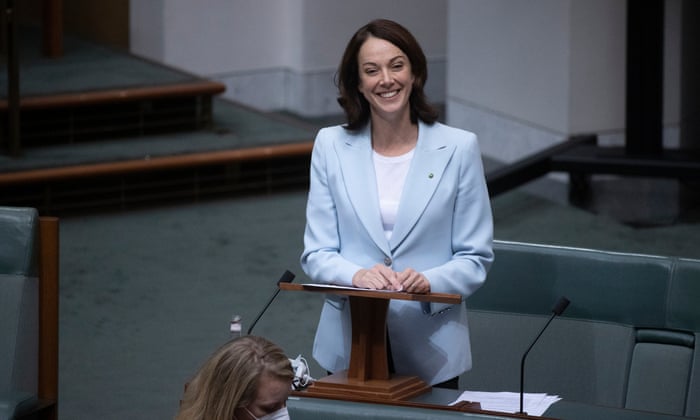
{"x": 386, "y": 77}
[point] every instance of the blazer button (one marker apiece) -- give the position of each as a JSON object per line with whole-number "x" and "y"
{"x": 387, "y": 261}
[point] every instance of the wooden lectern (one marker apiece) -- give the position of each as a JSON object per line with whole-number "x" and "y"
{"x": 368, "y": 377}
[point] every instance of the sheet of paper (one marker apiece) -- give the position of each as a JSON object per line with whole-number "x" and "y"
{"x": 335, "y": 286}
{"x": 509, "y": 402}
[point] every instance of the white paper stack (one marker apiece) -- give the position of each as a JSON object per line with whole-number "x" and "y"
{"x": 509, "y": 402}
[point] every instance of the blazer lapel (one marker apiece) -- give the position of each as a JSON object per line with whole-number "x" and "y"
{"x": 428, "y": 165}
{"x": 355, "y": 157}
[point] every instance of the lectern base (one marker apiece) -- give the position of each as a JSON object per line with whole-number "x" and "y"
{"x": 339, "y": 386}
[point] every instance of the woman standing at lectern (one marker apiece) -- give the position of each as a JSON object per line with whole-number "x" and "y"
{"x": 397, "y": 201}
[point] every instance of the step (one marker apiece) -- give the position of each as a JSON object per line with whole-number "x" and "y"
{"x": 194, "y": 176}
{"x": 94, "y": 92}
{"x": 66, "y": 118}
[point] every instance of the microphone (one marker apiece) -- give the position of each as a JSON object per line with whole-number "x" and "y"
{"x": 287, "y": 277}
{"x": 558, "y": 309}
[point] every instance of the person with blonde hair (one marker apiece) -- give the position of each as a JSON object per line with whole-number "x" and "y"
{"x": 248, "y": 378}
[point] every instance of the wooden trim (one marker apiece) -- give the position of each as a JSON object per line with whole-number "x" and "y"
{"x": 48, "y": 312}
{"x": 52, "y": 28}
{"x": 155, "y": 164}
{"x": 199, "y": 87}
{"x": 448, "y": 298}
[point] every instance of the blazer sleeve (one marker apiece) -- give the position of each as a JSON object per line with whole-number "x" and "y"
{"x": 321, "y": 259}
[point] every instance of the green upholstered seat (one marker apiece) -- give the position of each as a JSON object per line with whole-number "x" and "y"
{"x": 18, "y": 246}
{"x": 627, "y": 347}
{"x": 658, "y": 379}
{"x": 319, "y": 409}
{"x": 19, "y": 313}
{"x": 603, "y": 286}
{"x": 579, "y": 360}
{"x": 627, "y": 340}
{"x": 684, "y": 313}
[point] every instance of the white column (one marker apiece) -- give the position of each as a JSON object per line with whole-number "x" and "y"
{"x": 527, "y": 74}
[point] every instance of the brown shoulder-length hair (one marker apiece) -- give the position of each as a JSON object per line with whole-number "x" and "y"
{"x": 356, "y": 107}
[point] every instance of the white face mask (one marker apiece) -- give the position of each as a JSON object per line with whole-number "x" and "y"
{"x": 281, "y": 414}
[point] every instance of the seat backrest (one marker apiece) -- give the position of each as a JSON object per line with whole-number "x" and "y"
{"x": 19, "y": 243}
{"x": 321, "y": 409}
{"x": 684, "y": 314}
{"x": 19, "y": 299}
{"x": 576, "y": 359}
{"x": 606, "y": 286}
{"x": 659, "y": 372}
{"x": 634, "y": 321}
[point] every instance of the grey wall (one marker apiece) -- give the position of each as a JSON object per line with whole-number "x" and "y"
{"x": 523, "y": 74}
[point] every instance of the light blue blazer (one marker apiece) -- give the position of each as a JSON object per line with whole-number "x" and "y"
{"x": 443, "y": 229}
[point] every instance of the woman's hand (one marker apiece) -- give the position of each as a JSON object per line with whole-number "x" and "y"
{"x": 412, "y": 281}
{"x": 379, "y": 277}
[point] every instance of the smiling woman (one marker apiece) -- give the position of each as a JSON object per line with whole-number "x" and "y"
{"x": 396, "y": 201}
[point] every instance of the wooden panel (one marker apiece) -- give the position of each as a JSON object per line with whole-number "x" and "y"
{"x": 48, "y": 314}
{"x": 200, "y": 87}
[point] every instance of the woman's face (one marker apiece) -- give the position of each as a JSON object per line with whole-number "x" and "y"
{"x": 386, "y": 78}
{"x": 271, "y": 396}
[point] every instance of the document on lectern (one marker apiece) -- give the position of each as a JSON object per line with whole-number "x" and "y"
{"x": 509, "y": 402}
{"x": 335, "y": 286}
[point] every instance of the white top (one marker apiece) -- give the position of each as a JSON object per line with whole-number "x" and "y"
{"x": 391, "y": 174}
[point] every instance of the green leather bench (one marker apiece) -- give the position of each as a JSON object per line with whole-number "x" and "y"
{"x": 28, "y": 314}
{"x": 304, "y": 408}
{"x": 627, "y": 347}
{"x": 629, "y": 338}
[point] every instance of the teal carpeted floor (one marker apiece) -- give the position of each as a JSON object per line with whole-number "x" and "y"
{"x": 147, "y": 294}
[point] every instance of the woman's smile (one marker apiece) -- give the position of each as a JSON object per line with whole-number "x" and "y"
{"x": 389, "y": 94}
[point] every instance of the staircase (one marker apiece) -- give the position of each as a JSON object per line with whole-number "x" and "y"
{"x": 105, "y": 129}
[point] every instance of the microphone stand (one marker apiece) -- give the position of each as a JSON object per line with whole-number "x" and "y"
{"x": 557, "y": 310}
{"x": 287, "y": 277}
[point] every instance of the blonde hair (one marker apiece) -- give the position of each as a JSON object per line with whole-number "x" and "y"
{"x": 229, "y": 378}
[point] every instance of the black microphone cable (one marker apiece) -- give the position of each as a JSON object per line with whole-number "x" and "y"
{"x": 287, "y": 277}
{"x": 558, "y": 309}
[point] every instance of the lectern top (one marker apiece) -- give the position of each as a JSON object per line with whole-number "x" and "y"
{"x": 370, "y": 293}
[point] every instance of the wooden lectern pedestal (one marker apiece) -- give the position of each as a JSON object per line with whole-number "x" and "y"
{"x": 368, "y": 377}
